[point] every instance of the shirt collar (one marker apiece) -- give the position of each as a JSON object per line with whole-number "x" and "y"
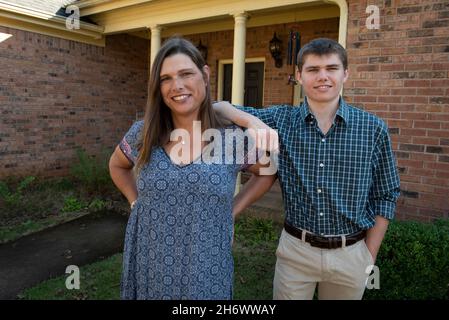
{"x": 342, "y": 111}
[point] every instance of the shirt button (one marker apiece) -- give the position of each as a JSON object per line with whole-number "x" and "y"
{"x": 319, "y": 190}
{"x": 323, "y": 140}
{"x": 321, "y": 165}
{"x": 321, "y": 214}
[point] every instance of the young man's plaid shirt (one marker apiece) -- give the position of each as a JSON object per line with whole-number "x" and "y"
{"x": 337, "y": 183}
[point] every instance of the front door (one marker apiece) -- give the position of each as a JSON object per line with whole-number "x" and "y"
{"x": 253, "y": 83}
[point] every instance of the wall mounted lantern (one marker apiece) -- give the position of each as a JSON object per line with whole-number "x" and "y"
{"x": 203, "y": 50}
{"x": 275, "y": 50}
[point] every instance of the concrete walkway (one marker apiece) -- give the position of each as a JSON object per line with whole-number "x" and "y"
{"x": 46, "y": 254}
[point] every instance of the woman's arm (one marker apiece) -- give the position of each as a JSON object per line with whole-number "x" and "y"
{"x": 228, "y": 112}
{"x": 122, "y": 175}
{"x": 266, "y": 138}
{"x": 252, "y": 190}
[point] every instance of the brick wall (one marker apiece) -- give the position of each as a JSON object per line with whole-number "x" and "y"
{"x": 57, "y": 95}
{"x": 400, "y": 73}
{"x": 276, "y": 90}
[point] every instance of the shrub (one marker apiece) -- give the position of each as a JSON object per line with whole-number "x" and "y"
{"x": 64, "y": 184}
{"x": 72, "y": 204}
{"x": 97, "y": 205}
{"x": 92, "y": 172}
{"x": 13, "y": 198}
{"x": 414, "y": 262}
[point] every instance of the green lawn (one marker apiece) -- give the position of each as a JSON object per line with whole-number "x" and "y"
{"x": 254, "y": 256}
{"x": 413, "y": 258}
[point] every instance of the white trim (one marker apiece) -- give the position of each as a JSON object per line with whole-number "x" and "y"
{"x": 220, "y": 75}
{"x": 343, "y": 26}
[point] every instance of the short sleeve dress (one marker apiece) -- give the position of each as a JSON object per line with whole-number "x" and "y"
{"x": 179, "y": 233}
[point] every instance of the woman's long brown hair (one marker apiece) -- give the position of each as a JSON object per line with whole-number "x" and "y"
{"x": 158, "y": 122}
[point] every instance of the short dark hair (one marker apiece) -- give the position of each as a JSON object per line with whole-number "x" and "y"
{"x": 320, "y": 47}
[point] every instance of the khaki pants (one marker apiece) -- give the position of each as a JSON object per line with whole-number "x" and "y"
{"x": 340, "y": 273}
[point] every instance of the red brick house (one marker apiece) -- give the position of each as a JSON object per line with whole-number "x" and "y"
{"x": 63, "y": 88}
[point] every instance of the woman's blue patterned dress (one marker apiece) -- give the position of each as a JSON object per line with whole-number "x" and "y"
{"x": 179, "y": 234}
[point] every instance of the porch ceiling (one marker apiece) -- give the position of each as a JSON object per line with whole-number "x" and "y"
{"x": 197, "y": 16}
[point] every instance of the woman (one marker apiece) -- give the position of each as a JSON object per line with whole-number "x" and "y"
{"x": 179, "y": 235}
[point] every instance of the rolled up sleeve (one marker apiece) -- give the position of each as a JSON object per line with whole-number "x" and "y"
{"x": 385, "y": 189}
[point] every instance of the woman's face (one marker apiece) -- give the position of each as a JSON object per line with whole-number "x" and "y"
{"x": 183, "y": 86}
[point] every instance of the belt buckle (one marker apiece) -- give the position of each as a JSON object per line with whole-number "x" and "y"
{"x": 324, "y": 243}
{"x": 314, "y": 242}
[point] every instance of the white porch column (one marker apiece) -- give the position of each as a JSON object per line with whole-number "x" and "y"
{"x": 238, "y": 68}
{"x": 238, "y": 64}
{"x": 155, "y": 42}
{"x": 343, "y": 26}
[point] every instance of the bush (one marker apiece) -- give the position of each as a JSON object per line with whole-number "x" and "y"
{"x": 13, "y": 198}
{"x": 93, "y": 172}
{"x": 72, "y": 204}
{"x": 97, "y": 205}
{"x": 414, "y": 262}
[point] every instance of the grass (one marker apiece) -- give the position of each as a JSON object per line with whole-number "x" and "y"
{"x": 98, "y": 281}
{"x": 254, "y": 250}
{"x": 254, "y": 256}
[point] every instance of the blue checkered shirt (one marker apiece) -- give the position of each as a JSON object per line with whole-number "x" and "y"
{"x": 336, "y": 183}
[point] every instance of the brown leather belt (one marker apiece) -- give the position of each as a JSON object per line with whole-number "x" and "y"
{"x": 325, "y": 242}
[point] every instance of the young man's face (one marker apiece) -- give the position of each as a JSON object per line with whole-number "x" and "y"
{"x": 322, "y": 77}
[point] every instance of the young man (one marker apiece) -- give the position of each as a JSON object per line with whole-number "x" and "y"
{"x": 338, "y": 177}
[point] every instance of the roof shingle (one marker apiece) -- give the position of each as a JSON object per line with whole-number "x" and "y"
{"x": 55, "y": 7}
